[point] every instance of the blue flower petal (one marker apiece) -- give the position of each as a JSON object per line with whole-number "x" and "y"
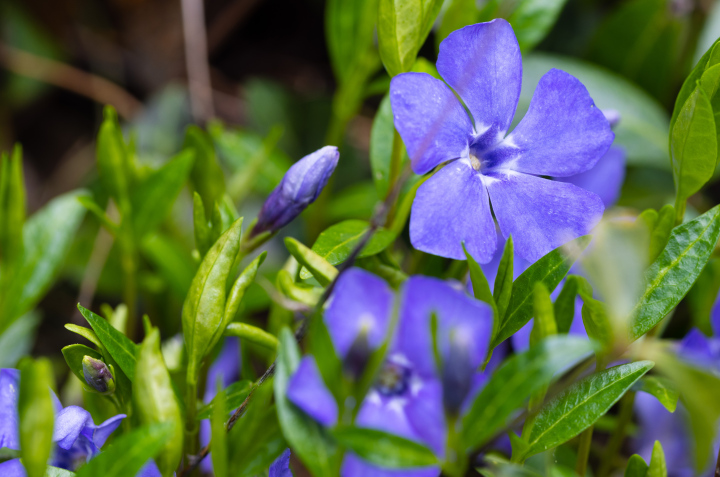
{"x": 541, "y": 214}
{"x": 69, "y": 423}
{"x": 307, "y": 391}
{"x": 100, "y": 433}
{"x": 562, "y": 134}
{"x": 449, "y": 208}
{"x": 361, "y": 302}
{"x": 483, "y": 64}
{"x": 281, "y": 466}
{"x": 431, "y": 121}
{"x": 149, "y": 470}
{"x": 605, "y": 179}
{"x": 9, "y": 421}
{"x": 12, "y": 468}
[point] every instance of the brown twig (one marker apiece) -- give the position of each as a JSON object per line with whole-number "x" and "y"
{"x": 70, "y": 78}
{"x": 196, "y": 59}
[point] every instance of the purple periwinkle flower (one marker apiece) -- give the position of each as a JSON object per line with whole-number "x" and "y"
{"x": 411, "y": 396}
{"x": 76, "y": 436}
{"x": 562, "y": 134}
{"x": 300, "y": 186}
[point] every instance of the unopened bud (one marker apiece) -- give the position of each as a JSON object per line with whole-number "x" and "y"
{"x": 300, "y": 186}
{"x": 98, "y": 376}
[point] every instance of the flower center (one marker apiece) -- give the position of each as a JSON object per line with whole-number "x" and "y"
{"x": 392, "y": 379}
{"x": 474, "y": 162}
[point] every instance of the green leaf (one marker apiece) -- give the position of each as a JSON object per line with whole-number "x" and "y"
{"x": 403, "y": 26}
{"x": 710, "y": 83}
{"x": 503, "y": 286}
{"x": 207, "y": 176}
{"x": 564, "y": 307}
{"x": 74, "y": 355}
{"x": 323, "y": 271}
{"x": 514, "y": 382}
{"x": 336, "y": 243}
{"x": 657, "y": 467}
{"x": 595, "y": 316}
{"x": 549, "y": 270}
{"x": 381, "y": 146}
{"x": 51, "y": 471}
{"x": 12, "y": 206}
{"x": 252, "y": 334}
{"x": 307, "y": 438}
{"x": 203, "y": 315}
{"x": 36, "y": 415}
{"x": 579, "y": 406}
{"x": 662, "y": 388}
{"x": 643, "y": 129}
{"x": 86, "y": 333}
{"x": 113, "y": 159}
{"x": 300, "y": 292}
{"x": 155, "y": 402}
{"x": 543, "y": 315}
{"x": 532, "y": 20}
{"x": 169, "y": 257}
{"x": 201, "y": 227}
{"x": 636, "y": 467}
{"x": 234, "y": 394}
{"x": 117, "y": 344}
{"x": 349, "y": 29}
{"x": 670, "y": 277}
{"x": 154, "y": 197}
{"x": 693, "y": 148}
{"x": 481, "y": 288}
{"x": 219, "y": 433}
{"x": 384, "y": 449}
{"x": 47, "y": 237}
{"x": 661, "y": 231}
{"x": 129, "y": 452}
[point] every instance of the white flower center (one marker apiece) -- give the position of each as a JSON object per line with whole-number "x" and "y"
{"x": 474, "y": 162}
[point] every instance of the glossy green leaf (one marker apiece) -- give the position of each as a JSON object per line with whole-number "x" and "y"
{"x": 710, "y": 83}
{"x": 336, "y": 243}
{"x": 218, "y": 433}
{"x": 234, "y": 394}
{"x": 636, "y": 467}
{"x": 206, "y": 176}
{"x": 503, "y": 286}
{"x": 74, "y": 355}
{"x": 384, "y": 449}
{"x": 154, "y": 197}
{"x": 253, "y": 334}
{"x": 12, "y": 206}
{"x": 657, "y": 467}
{"x": 300, "y": 292}
{"x": 514, "y": 382}
{"x": 670, "y": 277}
{"x": 36, "y": 415}
{"x": 549, "y": 270}
{"x": 204, "y": 309}
{"x": 662, "y": 388}
{"x": 403, "y": 26}
{"x": 113, "y": 159}
{"x": 320, "y": 268}
{"x": 155, "y": 402}
{"x": 381, "y": 146}
{"x": 693, "y": 148}
{"x": 307, "y": 438}
{"x": 643, "y": 128}
{"x": 579, "y": 406}
{"x": 47, "y": 237}
{"x": 117, "y": 344}
{"x": 129, "y": 453}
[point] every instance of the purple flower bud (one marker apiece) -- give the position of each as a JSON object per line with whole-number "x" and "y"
{"x": 300, "y": 186}
{"x": 98, "y": 376}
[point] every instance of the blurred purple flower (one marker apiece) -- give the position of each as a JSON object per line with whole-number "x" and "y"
{"x": 562, "y": 134}
{"x": 300, "y": 186}
{"x": 410, "y": 393}
{"x": 77, "y": 438}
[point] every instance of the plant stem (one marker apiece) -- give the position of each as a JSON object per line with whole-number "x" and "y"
{"x": 615, "y": 443}
{"x": 584, "y": 451}
{"x": 456, "y": 461}
{"x": 679, "y": 210}
{"x": 191, "y": 425}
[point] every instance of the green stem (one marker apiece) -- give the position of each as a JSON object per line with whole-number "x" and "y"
{"x": 584, "y": 451}
{"x": 679, "y": 210}
{"x": 616, "y": 441}
{"x": 191, "y": 425}
{"x": 395, "y": 161}
{"x": 456, "y": 460}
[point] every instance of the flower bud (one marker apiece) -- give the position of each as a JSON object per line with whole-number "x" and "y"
{"x": 300, "y": 186}
{"x": 98, "y": 376}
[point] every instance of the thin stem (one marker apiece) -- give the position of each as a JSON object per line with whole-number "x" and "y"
{"x": 584, "y": 451}
{"x": 679, "y": 210}
{"x": 191, "y": 425}
{"x": 615, "y": 443}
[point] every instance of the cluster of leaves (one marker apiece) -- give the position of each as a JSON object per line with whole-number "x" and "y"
{"x": 548, "y": 392}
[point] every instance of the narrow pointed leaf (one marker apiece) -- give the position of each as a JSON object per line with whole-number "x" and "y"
{"x": 502, "y": 288}
{"x": 564, "y": 306}
{"x": 320, "y": 268}
{"x": 657, "y": 467}
{"x": 117, "y": 344}
{"x": 636, "y": 467}
{"x": 662, "y": 388}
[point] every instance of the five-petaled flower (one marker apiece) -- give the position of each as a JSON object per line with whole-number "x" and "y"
{"x": 411, "y": 396}
{"x": 562, "y": 134}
